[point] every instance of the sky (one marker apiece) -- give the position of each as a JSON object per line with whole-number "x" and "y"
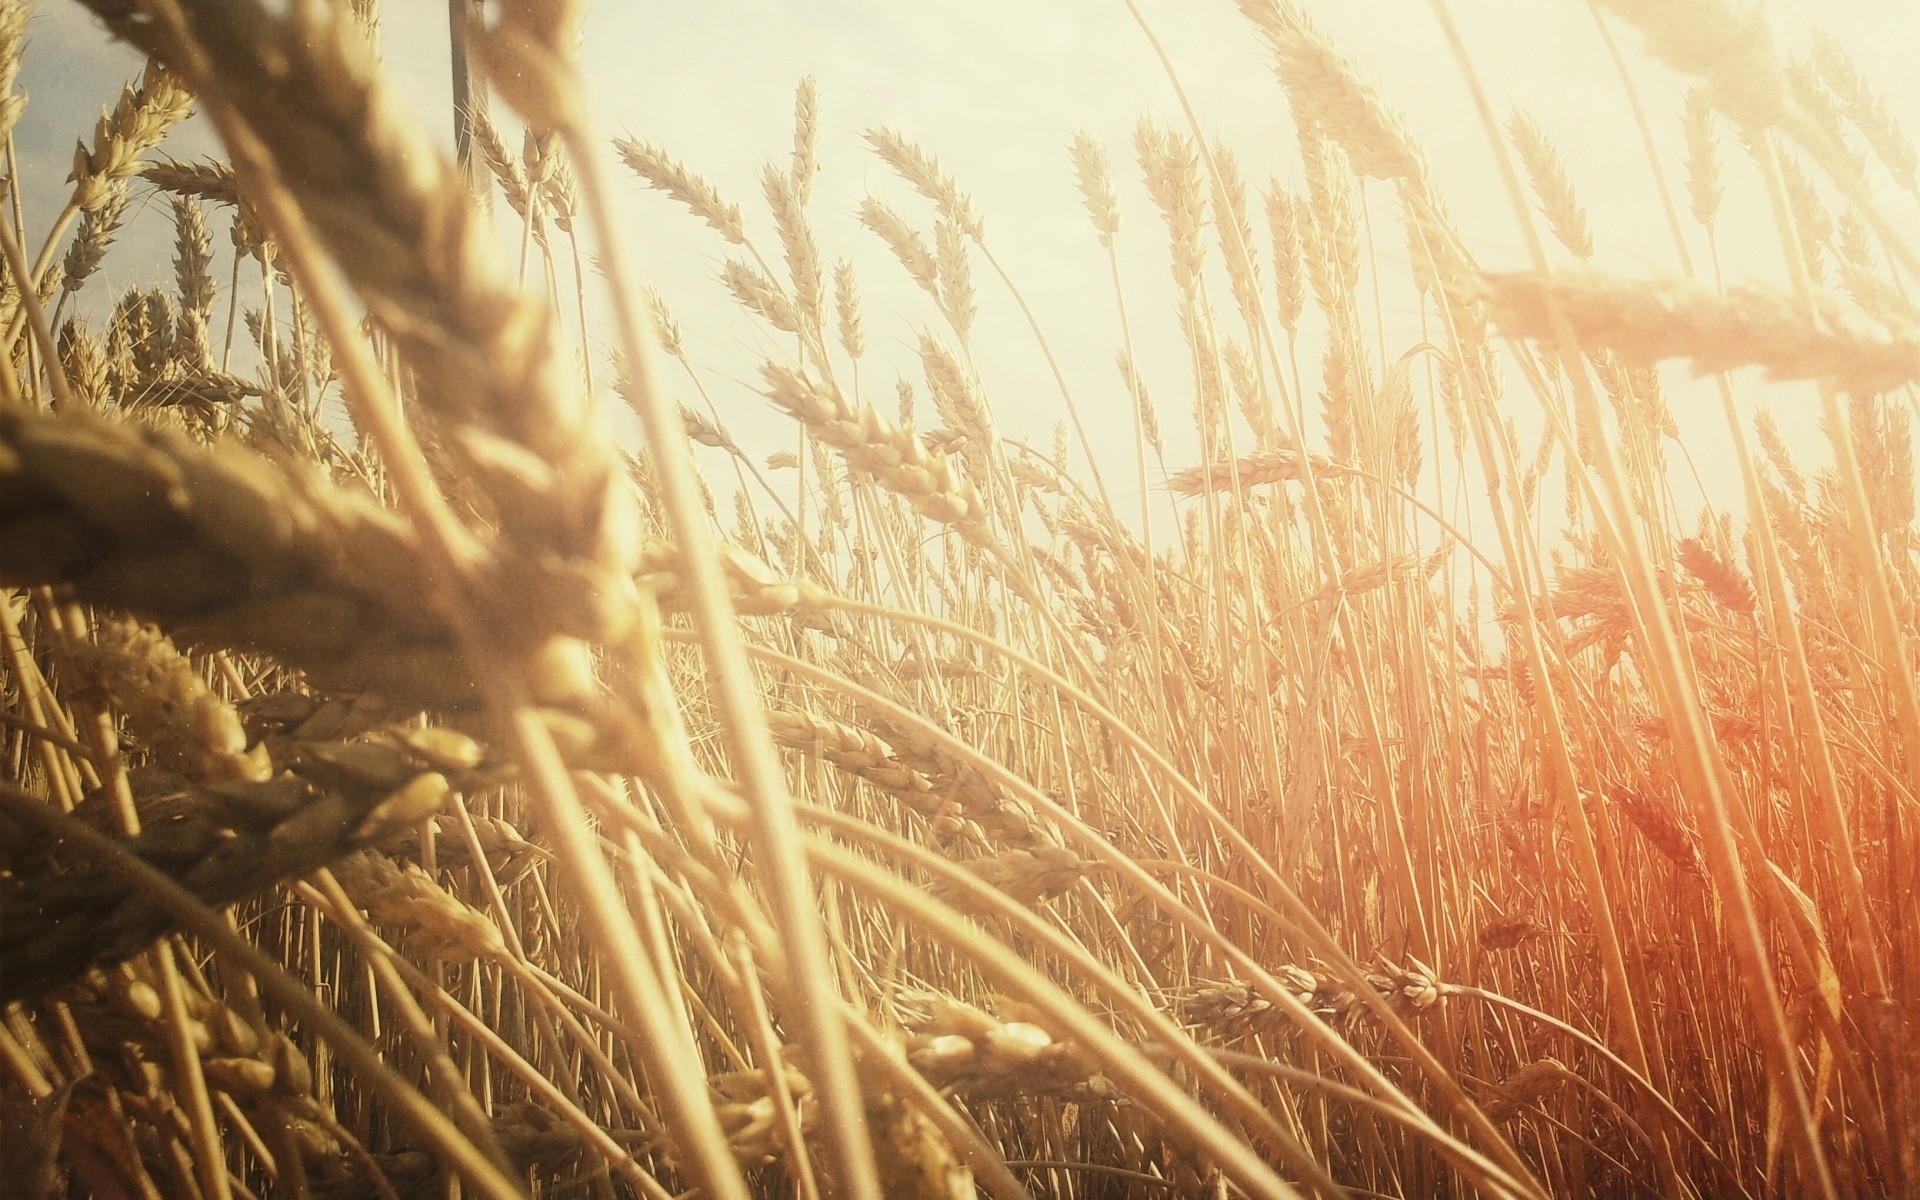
{"x": 997, "y": 89}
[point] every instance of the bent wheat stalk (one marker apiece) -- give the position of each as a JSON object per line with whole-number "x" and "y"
{"x": 551, "y": 94}
{"x": 192, "y": 914}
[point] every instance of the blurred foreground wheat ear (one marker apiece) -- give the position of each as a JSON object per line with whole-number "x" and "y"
{"x": 415, "y": 786}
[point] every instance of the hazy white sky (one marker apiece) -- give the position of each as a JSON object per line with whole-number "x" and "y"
{"x": 997, "y": 88}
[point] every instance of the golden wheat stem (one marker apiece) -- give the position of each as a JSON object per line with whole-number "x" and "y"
{"x": 542, "y": 1087}
{"x": 209, "y": 1157}
{"x": 1701, "y": 767}
{"x": 1645, "y": 130}
{"x": 20, "y": 1064}
{"x": 208, "y": 925}
{"x": 995, "y": 960}
{"x": 1865, "y": 952}
{"x": 812, "y": 1005}
{"x": 450, "y": 1086}
{"x": 1395, "y": 152}
{"x": 767, "y": 1046}
{"x": 36, "y": 318}
{"x": 1597, "y": 865}
{"x": 1593, "y": 1044}
{"x": 989, "y": 1169}
{"x": 1129, "y": 870}
{"x": 675, "y": 1070}
{"x": 43, "y": 710}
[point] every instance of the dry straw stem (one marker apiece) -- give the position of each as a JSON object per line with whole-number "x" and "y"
{"x": 809, "y": 997}
{"x": 584, "y": 1129}
{"x": 1702, "y": 769}
{"x": 1136, "y": 1078}
{"x": 1229, "y": 903}
{"x": 449, "y": 1086}
{"x": 1587, "y": 1040}
{"x": 669, "y": 1058}
{"x": 1752, "y": 324}
{"x": 1093, "y": 1040}
{"x": 1510, "y": 1169}
{"x": 204, "y": 922}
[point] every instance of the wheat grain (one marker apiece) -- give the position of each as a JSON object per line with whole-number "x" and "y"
{"x": 13, "y": 34}
{"x": 1721, "y": 579}
{"x": 922, "y": 171}
{"x": 907, "y": 245}
{"x": 895, "y": 457}
{"x": 1867, "y": 110}
{"x": 1172, "y": 171}
{"x": 1703, "y": 159}
{"x": 173, "y": 713}
{"x": 796, "y": 238}
{"x": 1328, "y": 97}
{"x": 1729, "y": 47}
{"x": 1548, "y": 173}
{"x": 1096, "y": 187}
{"x": 761, "y": 295}
{"x": 225, "y": 549}
{"x": 136, "y": 125}
{"x": 228, "y": 842}
{"x": 1751, "y": 324}
{"x": 205, "y": 180}
{"x": 700, "y": 197}
{"x": 1283, "y": 224}
{"x": 846, "y": 297}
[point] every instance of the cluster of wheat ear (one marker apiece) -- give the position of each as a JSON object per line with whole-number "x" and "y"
{"x": 411, "y": 789}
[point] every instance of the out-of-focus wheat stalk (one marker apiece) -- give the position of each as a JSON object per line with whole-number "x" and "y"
{"x": 405, "y": 784}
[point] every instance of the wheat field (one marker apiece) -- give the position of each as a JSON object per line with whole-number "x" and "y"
{"x": 461, "y": 742}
